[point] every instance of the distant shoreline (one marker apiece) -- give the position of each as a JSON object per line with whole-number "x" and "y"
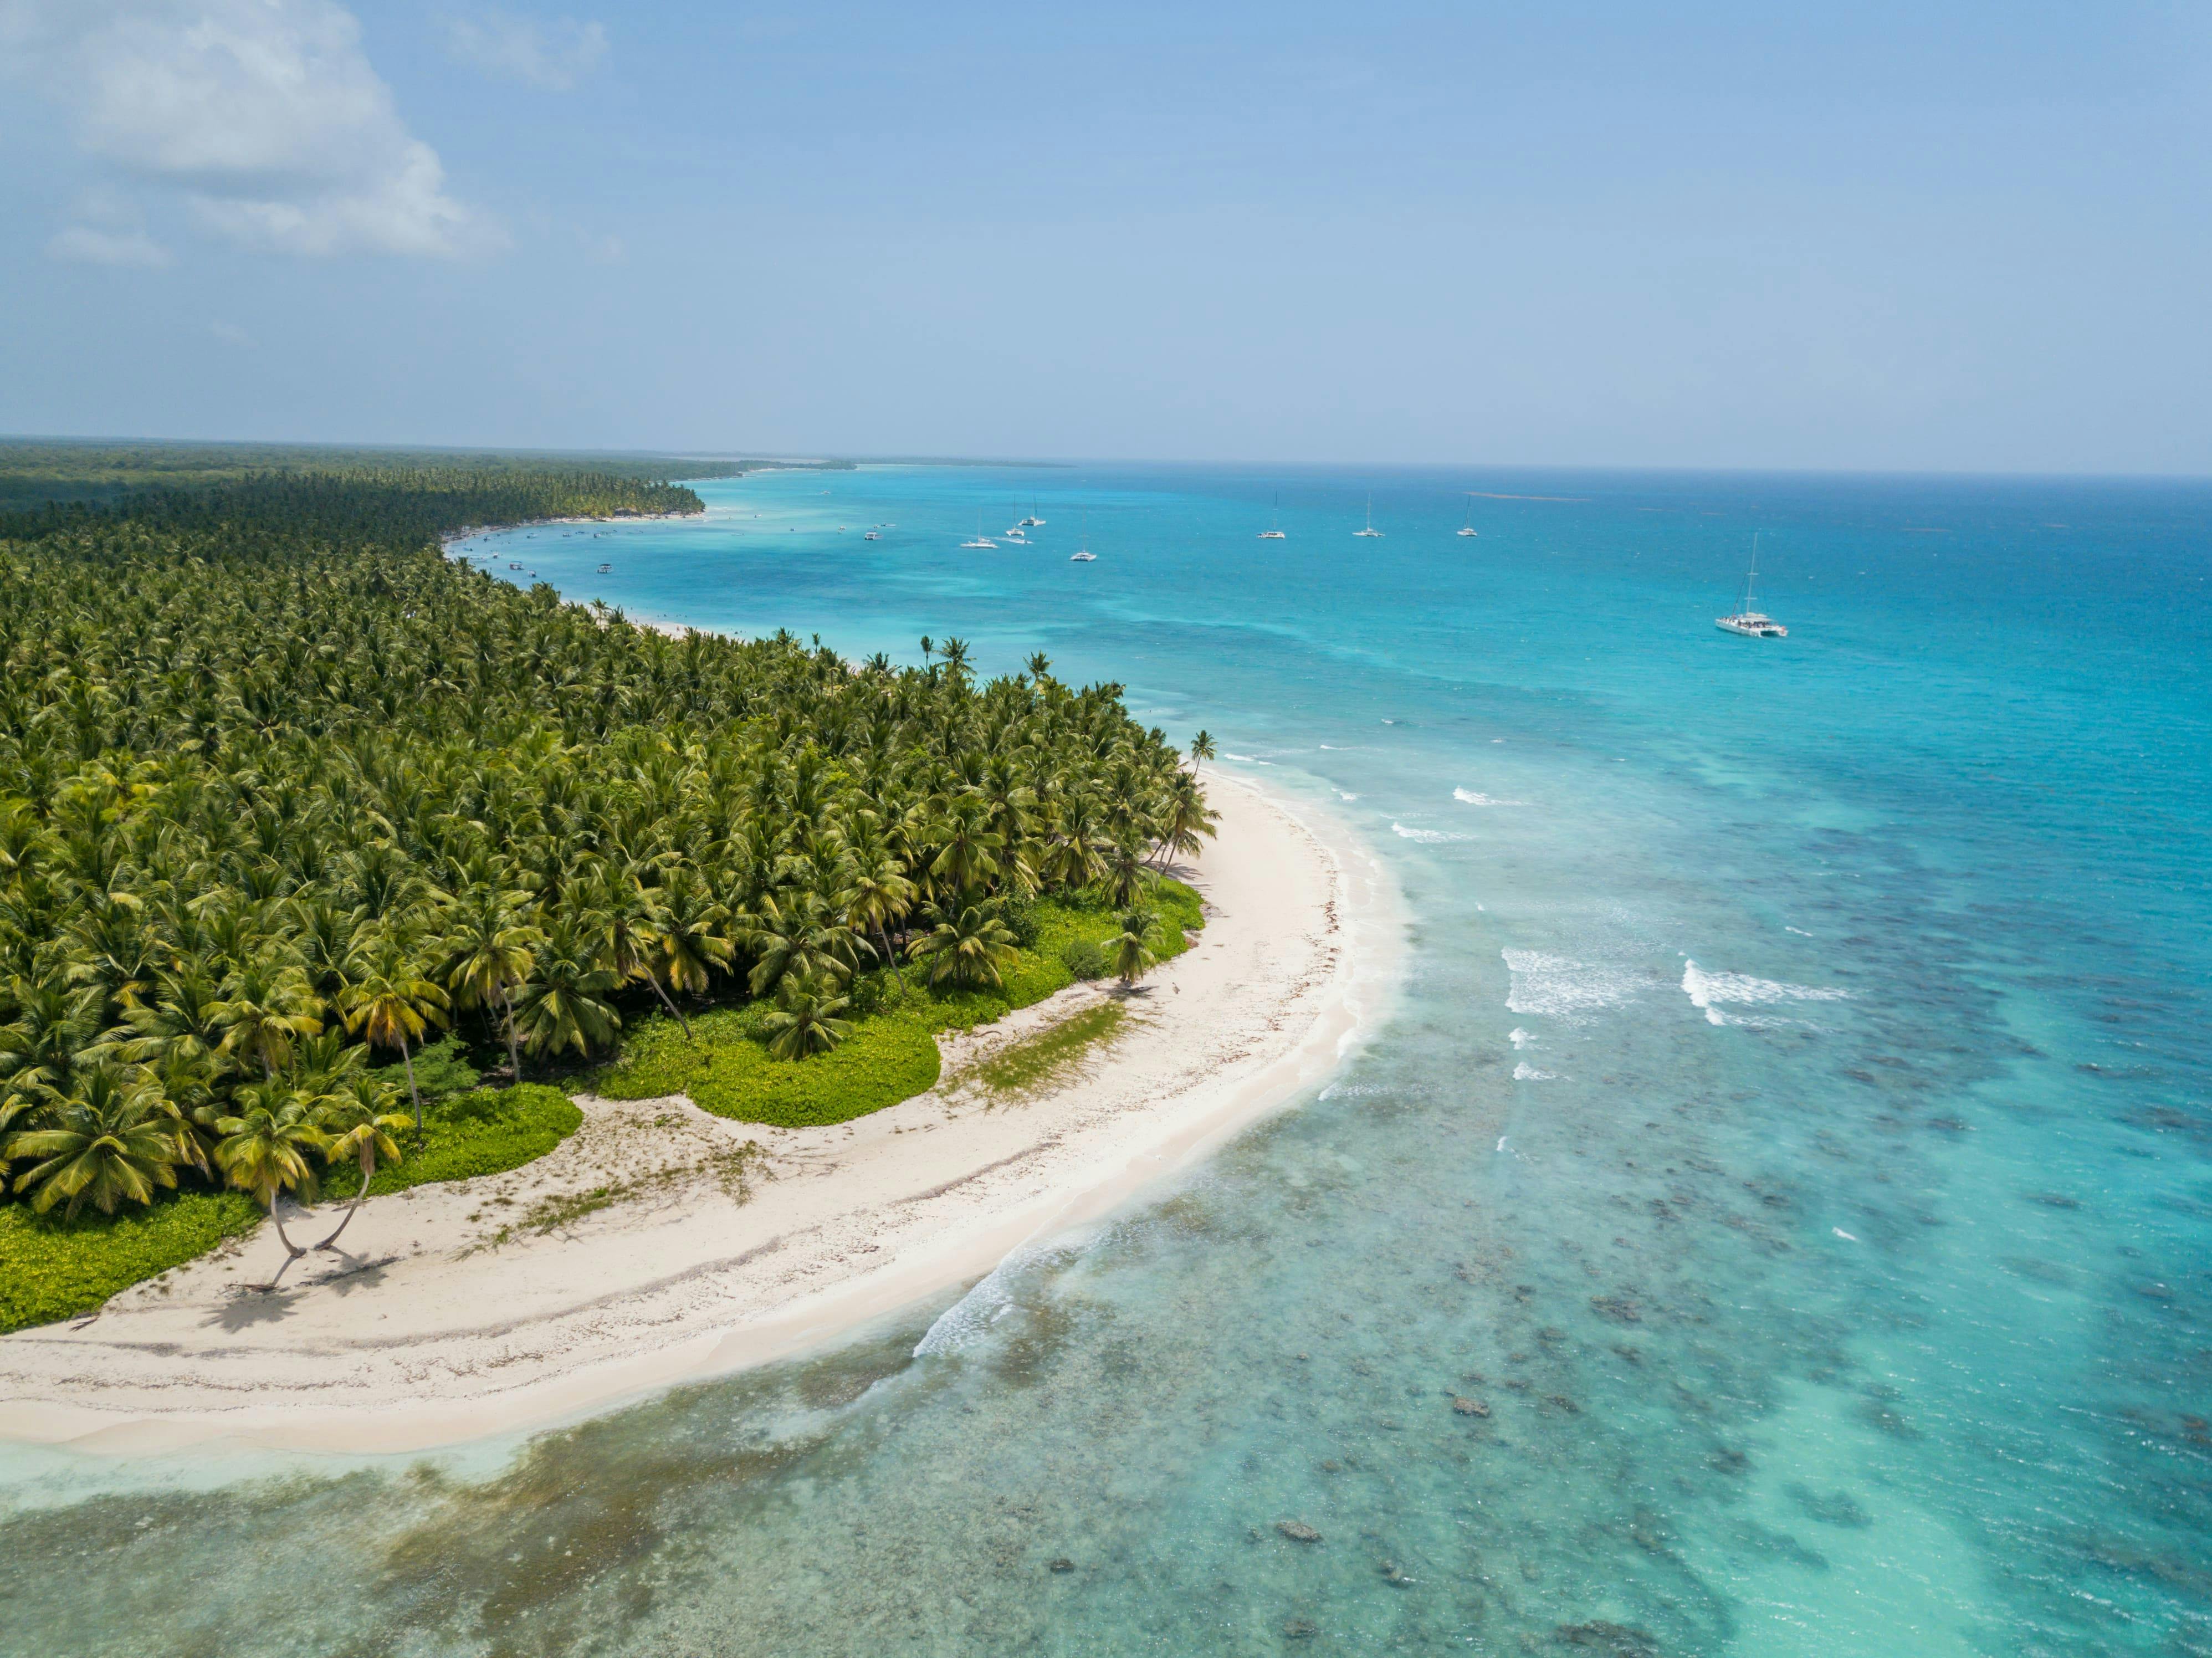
{"x": 436, "y": 1335}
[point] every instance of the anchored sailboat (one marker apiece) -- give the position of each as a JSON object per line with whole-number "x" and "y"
{"x": 981, "y": 540}
{"x": 1752, "y": 624}
{"x": 1270, "y": 533}
{"x": 1467, "y": 528}
{"x": 1371, "y": 530}
{"x": 1083, "y": 554}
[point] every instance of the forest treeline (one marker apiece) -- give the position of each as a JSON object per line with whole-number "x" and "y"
{"x": 38, "y": 471}
{"x": 284, "y": 793}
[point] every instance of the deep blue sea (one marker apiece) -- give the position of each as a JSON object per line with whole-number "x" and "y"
{"x": 1795, "y": 1126}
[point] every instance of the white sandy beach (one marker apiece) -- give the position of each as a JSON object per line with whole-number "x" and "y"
{"x": 435, "y": 1333}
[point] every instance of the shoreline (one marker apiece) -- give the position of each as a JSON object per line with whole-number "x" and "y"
{"x": 395, "y": 1349}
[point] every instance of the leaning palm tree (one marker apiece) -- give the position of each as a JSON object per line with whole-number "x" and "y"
{"x": 1188, "y": 818}
{"x": 264, "y": 1152}
{"x": 967, "y": 947}
{"x": 806, "y": 1020}
{"x": 1134, "y": 949}
{"x": 691, "y": 937}
{"x": 563, "y": 1007}
{"x": 112, "y": 1136}
{"x": 392, "y": 1005}
{"x": 878, "y": 894}
{"x": 360, "y": 1121}
{"x": 488, "y": 953}
{"x": 627, "y": 917}
{"x": 1201, "y": 748}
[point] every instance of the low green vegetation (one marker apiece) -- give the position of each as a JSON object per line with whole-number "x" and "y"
{"x": 724, "y": 1065}
{"x": 51, "y": 1268}
{"x": 1050, "y": 1055}
{"x": 487, "y": 1131}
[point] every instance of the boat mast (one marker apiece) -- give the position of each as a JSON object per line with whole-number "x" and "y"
{"x": 1753, "y": 575}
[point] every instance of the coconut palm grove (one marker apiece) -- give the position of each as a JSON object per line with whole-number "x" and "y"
{"x": 327, "y": 861}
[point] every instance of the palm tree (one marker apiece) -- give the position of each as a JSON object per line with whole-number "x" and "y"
{"x": 1125, "y": 870}
{"x": 53, "y": 1027}
{"x": 266, "y": 1007}
{"x": 628, "y": 918}
{"x": 489, "y": 949}
{"x": 1201, "y": 748}
{"x": 1132, "y": 948}
{"x": 360, "y": 1121}
{"x": 691, "y": 939}
{"x": 1188, "y": 818}
{"x": 390, "y": 1004}
{"x": 112, "y": 1136}
{"x": 804, "y": 933}
{"x": 967, "y": 947}
{"x": 967, "y": 848}
{"x": 563, "y": 1008}
{"x": 880, "y": 893}
{"x": 806, "y": 1020}
{"x": 264, "y": 1152}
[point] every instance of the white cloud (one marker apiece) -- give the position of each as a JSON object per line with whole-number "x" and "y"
{"x": 93, "y": 246}
{"x": 265, "y": 113}
{"x": 554, "y": 55}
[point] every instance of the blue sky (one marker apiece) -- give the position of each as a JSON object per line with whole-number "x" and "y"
{"x": 1928, "y": 236}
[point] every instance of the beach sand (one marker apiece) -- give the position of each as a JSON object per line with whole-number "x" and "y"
{"x": 463, "y": 1314}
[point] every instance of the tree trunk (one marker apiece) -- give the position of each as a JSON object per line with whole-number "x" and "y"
{"x": 408, "y": 1059}
{"x": 368, "y": 1168}
{"x": 292, "y": 1251}
{"x": 890, "y": 959}
{"x": 514, "y": 1055}
{"x": 654, "y": 979}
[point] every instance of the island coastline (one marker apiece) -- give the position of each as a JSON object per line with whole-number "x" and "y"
{"x": 841, "y": 1227}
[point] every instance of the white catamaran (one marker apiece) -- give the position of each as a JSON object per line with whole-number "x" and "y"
{"x": 1752, "y": 624}
{"x": 1467, "y": 528}
{"x": 1270, "y": 533}
{"x": 1371, "y": 530}
{"x": 981, "y": 540}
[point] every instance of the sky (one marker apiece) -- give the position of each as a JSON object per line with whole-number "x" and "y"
{"x": 1889, "y": 236}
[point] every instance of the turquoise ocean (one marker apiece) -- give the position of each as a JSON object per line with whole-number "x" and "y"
{"x": 1794, "y": 1128}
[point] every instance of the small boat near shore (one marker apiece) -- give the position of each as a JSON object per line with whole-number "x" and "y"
{"x": 1749, "y": 622}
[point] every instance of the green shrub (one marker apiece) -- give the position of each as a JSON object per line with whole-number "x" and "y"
{"x": 1086, "y": 959}
{"x": 51, "y": 1268}
{"x": 891, "y": 1054}
{"x": 440, "y": 1069}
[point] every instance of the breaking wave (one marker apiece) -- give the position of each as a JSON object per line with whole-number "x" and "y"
{"x": 1424, "y": 834}
{"x": 1475, "y": 798}
{"x": 1709, "y": 990}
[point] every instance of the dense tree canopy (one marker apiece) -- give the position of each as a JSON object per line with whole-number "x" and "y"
{"x": 282, "y": 787}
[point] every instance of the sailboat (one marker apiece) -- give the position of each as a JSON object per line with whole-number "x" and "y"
{"x": 1270, "y": 533}
{"x": 1032, "y": 522}
{"x": 1083, "y": 554}
{"x": 1752, "y": 624}
{"x": 1467, "y": 528}
{"x": 1371, "y": 530}
{"x": 1014, "y": 537}
{"x": 981, "y": 540}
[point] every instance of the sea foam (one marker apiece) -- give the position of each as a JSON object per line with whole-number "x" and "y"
{"x": 1526, "y": 1073}
{"x": 1475, "y": 798}
{"x": 1424, "y": 834}
{"x": 1561, "y": 987}
{"x": 1707, "y": 991}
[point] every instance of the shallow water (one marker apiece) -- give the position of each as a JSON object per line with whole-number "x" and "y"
{"x": 1794, "y": 1133}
